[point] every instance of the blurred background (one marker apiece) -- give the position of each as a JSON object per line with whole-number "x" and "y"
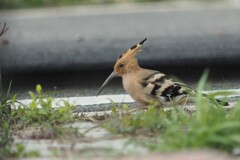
{"x": 16, "y": 4}
{"x": 70, "y": 46}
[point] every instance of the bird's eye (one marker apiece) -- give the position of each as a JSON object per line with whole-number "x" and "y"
{"x": 121, "y": 65}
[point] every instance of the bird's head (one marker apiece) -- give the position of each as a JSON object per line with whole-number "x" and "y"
{"x": 126, "y": 63}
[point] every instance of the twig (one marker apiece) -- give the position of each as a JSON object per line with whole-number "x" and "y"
{"x": 4, "y": 29}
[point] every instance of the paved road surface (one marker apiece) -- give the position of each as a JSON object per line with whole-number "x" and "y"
{"x": 70, "y": 51}
{"x": 76, "y": 39}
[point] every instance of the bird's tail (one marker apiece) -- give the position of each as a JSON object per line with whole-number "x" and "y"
{"x": 221, "y": 102}
{"x": 224, "y": 103}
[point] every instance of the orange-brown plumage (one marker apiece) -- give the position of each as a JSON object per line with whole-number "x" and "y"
{"x": 127, "y": 62}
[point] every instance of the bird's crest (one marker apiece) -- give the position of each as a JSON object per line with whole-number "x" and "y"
{"x": 133, "y": 50}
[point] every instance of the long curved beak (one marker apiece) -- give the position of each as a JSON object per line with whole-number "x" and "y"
{"x": 110, "y": 77}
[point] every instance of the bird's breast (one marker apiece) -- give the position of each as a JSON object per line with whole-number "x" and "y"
{"x": 133, "y": 87}
{"x": 130, "y": 84}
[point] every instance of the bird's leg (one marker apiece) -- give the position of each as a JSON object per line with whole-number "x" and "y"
{"x": 186, "y": 100}
{"x": 154, "y": 104}
{"x": 144, "y": 105}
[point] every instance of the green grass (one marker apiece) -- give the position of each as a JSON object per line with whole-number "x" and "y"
{"x": 6, "y": 138}
{"x": 40, "y": 111}
{"x": 210, "y": 126}
{"x": 24, "y": 116}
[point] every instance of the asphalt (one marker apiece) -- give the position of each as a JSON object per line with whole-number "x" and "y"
{"x": 42, "y": 40}
{"x": 71, "y": 50}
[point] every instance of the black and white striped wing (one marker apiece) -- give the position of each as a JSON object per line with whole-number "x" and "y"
{"x": 159, "y": 85}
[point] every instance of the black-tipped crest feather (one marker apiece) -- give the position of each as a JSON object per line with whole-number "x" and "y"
{"x": 132, "y": 48}
{"x": 141, "y": 43}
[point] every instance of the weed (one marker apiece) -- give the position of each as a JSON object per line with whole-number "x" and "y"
{"x": 6, "y": 138}
{"x": 39, "y": 113}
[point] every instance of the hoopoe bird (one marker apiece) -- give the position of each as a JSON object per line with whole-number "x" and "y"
{"x": 145, "y": 85}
